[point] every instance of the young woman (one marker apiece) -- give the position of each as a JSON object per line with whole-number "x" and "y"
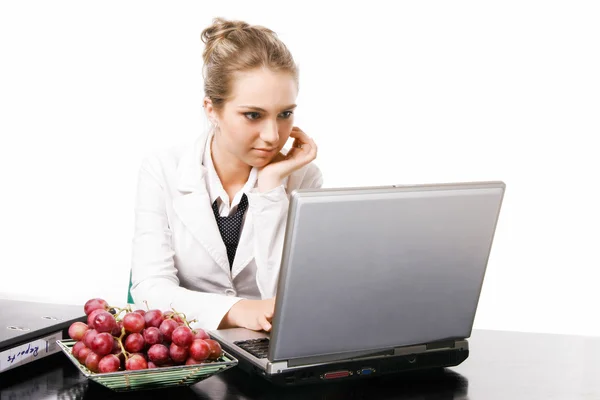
{"x": 210, "y": 217}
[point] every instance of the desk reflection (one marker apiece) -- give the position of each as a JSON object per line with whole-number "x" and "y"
{"x": 61, "y": 380}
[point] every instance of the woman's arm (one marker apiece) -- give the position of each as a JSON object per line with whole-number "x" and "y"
{"x": 154, "y": 275}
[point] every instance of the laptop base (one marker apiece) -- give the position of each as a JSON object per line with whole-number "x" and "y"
{"x": 360, "y": 369}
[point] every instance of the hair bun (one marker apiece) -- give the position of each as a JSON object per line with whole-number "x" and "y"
{"x": 235, "y": 46}
{"x": 220, "y": 29}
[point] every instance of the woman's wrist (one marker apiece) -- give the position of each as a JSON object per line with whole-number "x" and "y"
{"x": 231, "y": 320}
{"x": 268, "y": 183}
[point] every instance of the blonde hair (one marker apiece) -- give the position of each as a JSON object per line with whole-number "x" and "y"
{"x": 236, "y": 46}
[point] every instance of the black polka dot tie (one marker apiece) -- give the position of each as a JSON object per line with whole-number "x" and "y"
{"x": 231, "y": 227}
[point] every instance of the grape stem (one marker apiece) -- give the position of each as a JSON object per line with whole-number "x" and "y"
{"x": 120, "y": 340}
{"x": 183, "y": 317}
{"x": 121, "y": 310}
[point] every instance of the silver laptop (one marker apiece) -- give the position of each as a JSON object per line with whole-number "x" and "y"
{"x": 374, "y": 280}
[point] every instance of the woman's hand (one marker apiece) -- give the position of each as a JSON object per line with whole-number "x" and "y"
{"x": 303, "y": 151}
{"x": 255, "y": 315}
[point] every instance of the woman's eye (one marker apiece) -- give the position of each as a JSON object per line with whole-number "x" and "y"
{"x": 252, "y": 115}
{"x": 286, "y": 114}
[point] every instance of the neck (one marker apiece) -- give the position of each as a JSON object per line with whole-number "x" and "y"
{"x": 230, "y": 169}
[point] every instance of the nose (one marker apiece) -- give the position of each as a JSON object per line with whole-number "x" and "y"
{"x": 270, "y": 132}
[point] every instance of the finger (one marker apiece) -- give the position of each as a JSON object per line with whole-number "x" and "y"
{"x": 304, "y": 147}
{"x": 313, "y": 145}
{"x": 301, "y": 136}
{"x": 266, "y": 325}
{"x": 300, "y": 141}
{"x": 279, "y": 157}
{"x": 309, "y": 149}
{"x": 296, "y": 143}
{"x": 291, "y": 152}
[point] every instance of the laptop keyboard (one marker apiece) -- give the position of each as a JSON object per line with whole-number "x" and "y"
{"x": 259, "y": 348}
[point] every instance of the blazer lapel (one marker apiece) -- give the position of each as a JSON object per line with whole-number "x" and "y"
{"x": 193, "y": 206}
{"x": 245, "y": 250}
{"x": 195, "y": 212}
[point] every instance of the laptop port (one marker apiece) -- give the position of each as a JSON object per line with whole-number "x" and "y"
{"x": 305, "y": 375}
{"x": 336, "y": 374}
{"x": 366, "y": 371}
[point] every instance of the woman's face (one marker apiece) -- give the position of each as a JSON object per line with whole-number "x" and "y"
{"x": 256, "y": 122}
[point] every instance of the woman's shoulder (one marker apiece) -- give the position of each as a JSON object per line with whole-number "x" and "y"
{"x": 168, "y": 158}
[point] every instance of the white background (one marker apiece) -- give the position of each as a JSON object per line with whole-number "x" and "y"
{"x": 417, "y": 92}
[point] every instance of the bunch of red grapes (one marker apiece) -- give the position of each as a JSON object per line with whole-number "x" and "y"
{"x": 138, "y": 340}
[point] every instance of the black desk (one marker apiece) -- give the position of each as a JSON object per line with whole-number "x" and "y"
{"x": 502, "y": 365}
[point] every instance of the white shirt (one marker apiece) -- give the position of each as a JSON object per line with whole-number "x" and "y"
{"x": 215, "y": 187}
{"x": 179, "y": 259}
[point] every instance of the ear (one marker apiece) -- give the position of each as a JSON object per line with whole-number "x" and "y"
{"x": 211, "y": 113}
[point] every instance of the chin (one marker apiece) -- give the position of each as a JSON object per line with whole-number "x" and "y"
{"x": 259, "y": 163}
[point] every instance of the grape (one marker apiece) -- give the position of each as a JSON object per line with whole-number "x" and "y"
{"x": 143, "y": 355}
{"x": 173, "y": 316}
{"x": 78, "y": 346}
{"x": 153, "y": 318}
{"x": 182, "y": 336}
{"x": 102, "y": 344}
{"x": 215, "y": 349}
{"x": 77, "y": 330}
{"x": 167, "y": 327}
{"x": 133, "y": 322}
{"x": 104, "y": 322}
{"x": 82, "y": 355}
{"x": 199, "y": 350}
{"x": 178, "y": 354}
{"x": 134, "y": 343}
{"x": 152, "y": 335}
{"x": 116, "y": 349}
{"x": 94, "y": 304}
{"x": 109, "y": 363}
{"x": 169, "y": 363}
{"x": 158, "y": 354}
{"x": 117, "y": 329}
{"x": 151, "y": 339}
{"x": 136, "y": 362}
{"x": 191, "y": 361}
{"x": 89, "y": 337}
{"x": 91, "y": 361}
{"x": 92, "y": 317}
{"x": 200, "y": 333}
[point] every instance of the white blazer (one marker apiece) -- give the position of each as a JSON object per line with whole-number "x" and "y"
{"x": 178, "y": 257}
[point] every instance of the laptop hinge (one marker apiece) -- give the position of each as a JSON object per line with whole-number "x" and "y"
{"x": 294, "y": 362}
{"x": 398, "y": 351}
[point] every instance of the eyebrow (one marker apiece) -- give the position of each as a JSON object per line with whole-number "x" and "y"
{"x": 263, "y": 110}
